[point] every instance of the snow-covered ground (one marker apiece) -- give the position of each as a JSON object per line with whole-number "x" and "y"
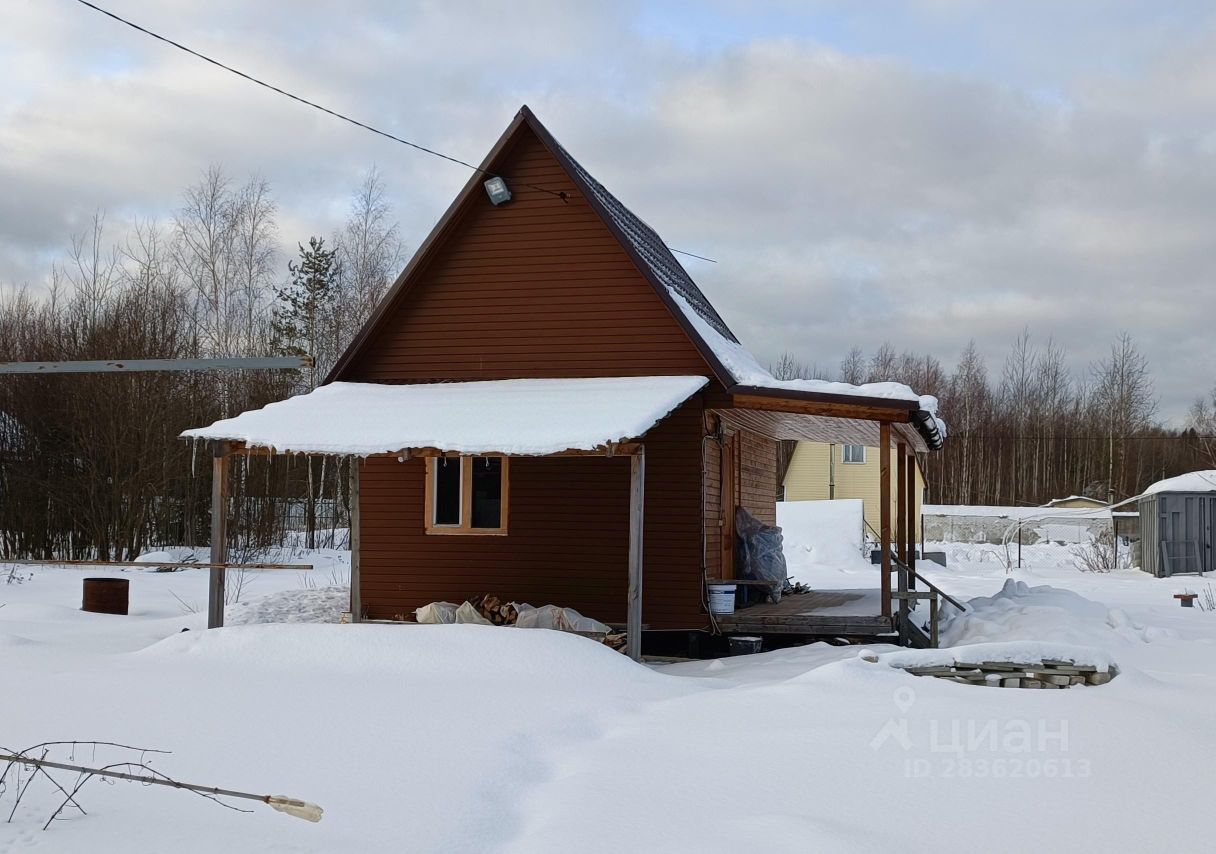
{"x": 477, "y": 739}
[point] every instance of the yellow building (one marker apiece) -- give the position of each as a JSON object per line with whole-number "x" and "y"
{"x": 819, "y": 471}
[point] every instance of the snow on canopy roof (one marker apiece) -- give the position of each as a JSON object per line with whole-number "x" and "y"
{"x": 748, "y": 372}
{"x": 526, "y": 417}
{"x": 1196, "y": 481}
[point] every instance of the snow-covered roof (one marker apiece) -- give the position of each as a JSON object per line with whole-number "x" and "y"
{"x": 668, "y": 275}
{"x": 1195, "y": 481}
{"x": 527, "y": 417}
{"x": 1094, "y": 502}
{"x": 746, "y": 371}
{"x": 728, "y": 359}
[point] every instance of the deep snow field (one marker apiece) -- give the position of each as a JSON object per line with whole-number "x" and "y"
{"x": 477, "y": 739}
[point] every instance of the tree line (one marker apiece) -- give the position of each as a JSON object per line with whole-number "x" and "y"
{"x": 90, "y": 464}
{"x": 1034, "y": 430}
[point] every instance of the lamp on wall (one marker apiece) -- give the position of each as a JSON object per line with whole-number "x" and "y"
{"x": 496, "y": 189}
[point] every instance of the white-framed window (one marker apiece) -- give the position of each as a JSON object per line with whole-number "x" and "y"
{"x": 466, "y": 495}
{"x": 853, "y": 453}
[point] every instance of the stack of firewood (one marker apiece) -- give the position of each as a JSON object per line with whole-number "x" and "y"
{"x": 502, "y": 613}
{"x": 615, "y": 640}
{"x": 495, "y": 610}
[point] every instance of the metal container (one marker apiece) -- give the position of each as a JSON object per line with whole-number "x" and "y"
{"x": 1178, "y": 533}
{"x": 744, "y": 644}
{"x": 106, "y": 595}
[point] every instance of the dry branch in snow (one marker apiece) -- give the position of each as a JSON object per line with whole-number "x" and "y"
{"x": 24, "y": 766}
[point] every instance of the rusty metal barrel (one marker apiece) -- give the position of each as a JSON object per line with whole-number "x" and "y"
{"x": 106, "y": 595}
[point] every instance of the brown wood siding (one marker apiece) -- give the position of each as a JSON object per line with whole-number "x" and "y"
{"x": 537, "y": 287}
{"x": 758, "y": 476}
{"x": 567, "y": 540}
{"x": 713, "y": 508}
{"x": 748, "y": 461}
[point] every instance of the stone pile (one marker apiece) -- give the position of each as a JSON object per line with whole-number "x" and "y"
{"x": 1048, "y": 673}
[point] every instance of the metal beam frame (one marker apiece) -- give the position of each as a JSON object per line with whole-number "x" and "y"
{"x": 129, "y": 366}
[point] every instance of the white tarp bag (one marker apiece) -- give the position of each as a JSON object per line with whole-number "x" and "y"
{"x": 466, "y": 613}
{"x": 436, "y": 613}
{"x": 555, "y": 617}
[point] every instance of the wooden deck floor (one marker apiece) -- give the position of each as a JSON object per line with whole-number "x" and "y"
{"x": 824, "y": 612}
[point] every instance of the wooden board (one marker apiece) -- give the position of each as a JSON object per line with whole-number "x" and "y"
{"x": 806, "y": 613}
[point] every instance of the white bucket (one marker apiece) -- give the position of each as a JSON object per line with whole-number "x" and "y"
{"x": 722, "y": 598}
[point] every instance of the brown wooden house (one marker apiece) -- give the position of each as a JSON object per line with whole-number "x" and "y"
{"x": 563, "y": 282}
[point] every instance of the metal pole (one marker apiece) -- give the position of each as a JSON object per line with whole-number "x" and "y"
{"x": 1019, "y": 544}
{"x": 637, "y": 494}
{"x": 128, "y": 366}
{"x": 219, "y": 533}
{"x": 143, "y": 564}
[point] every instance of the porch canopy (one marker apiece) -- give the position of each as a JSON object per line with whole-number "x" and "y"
{"x": 887, "y": 416}
{"x": 520, "y": 417}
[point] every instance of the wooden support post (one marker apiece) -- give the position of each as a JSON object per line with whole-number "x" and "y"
{"x": 905, "y": 608}
{"x": 884, "y": 513}
{"x": 353, "y": 539}
{"x": 637, "y": 494}
{"x": 219, "y": 533}
{"x": 910, "y": 506}
{"x": 901, "y": 496}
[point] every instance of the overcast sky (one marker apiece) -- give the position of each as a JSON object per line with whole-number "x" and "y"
{"x": 921, "y": 173}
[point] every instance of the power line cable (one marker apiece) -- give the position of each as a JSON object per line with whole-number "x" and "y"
{"x": 249, "y": 77}
{"x": 297, "y": 98}
{"x": 1066, "y": 438}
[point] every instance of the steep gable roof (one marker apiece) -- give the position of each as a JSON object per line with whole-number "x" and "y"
{"x": 730, "y": 363}
{"x": 642, "y": 243}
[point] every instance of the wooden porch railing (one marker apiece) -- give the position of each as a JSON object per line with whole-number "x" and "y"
{"x": 911, "y": 634}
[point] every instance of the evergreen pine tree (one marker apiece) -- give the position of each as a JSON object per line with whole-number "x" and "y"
{"x": 305, "y": 308}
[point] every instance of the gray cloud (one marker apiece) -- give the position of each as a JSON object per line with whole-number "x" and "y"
{"x": 854, "y": 187}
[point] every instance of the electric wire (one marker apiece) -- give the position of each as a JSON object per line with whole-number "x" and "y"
{"x": 334, "y": 113}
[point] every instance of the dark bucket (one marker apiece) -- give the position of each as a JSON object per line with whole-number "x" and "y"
{"x": 744, "y": 644}
{"x": 106, "y": 595}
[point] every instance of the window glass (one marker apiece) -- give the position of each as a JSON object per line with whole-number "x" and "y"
{"x": 854, "y": 453}
{"x": 447, "y": 491}
{"x": 487, "y": 492}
